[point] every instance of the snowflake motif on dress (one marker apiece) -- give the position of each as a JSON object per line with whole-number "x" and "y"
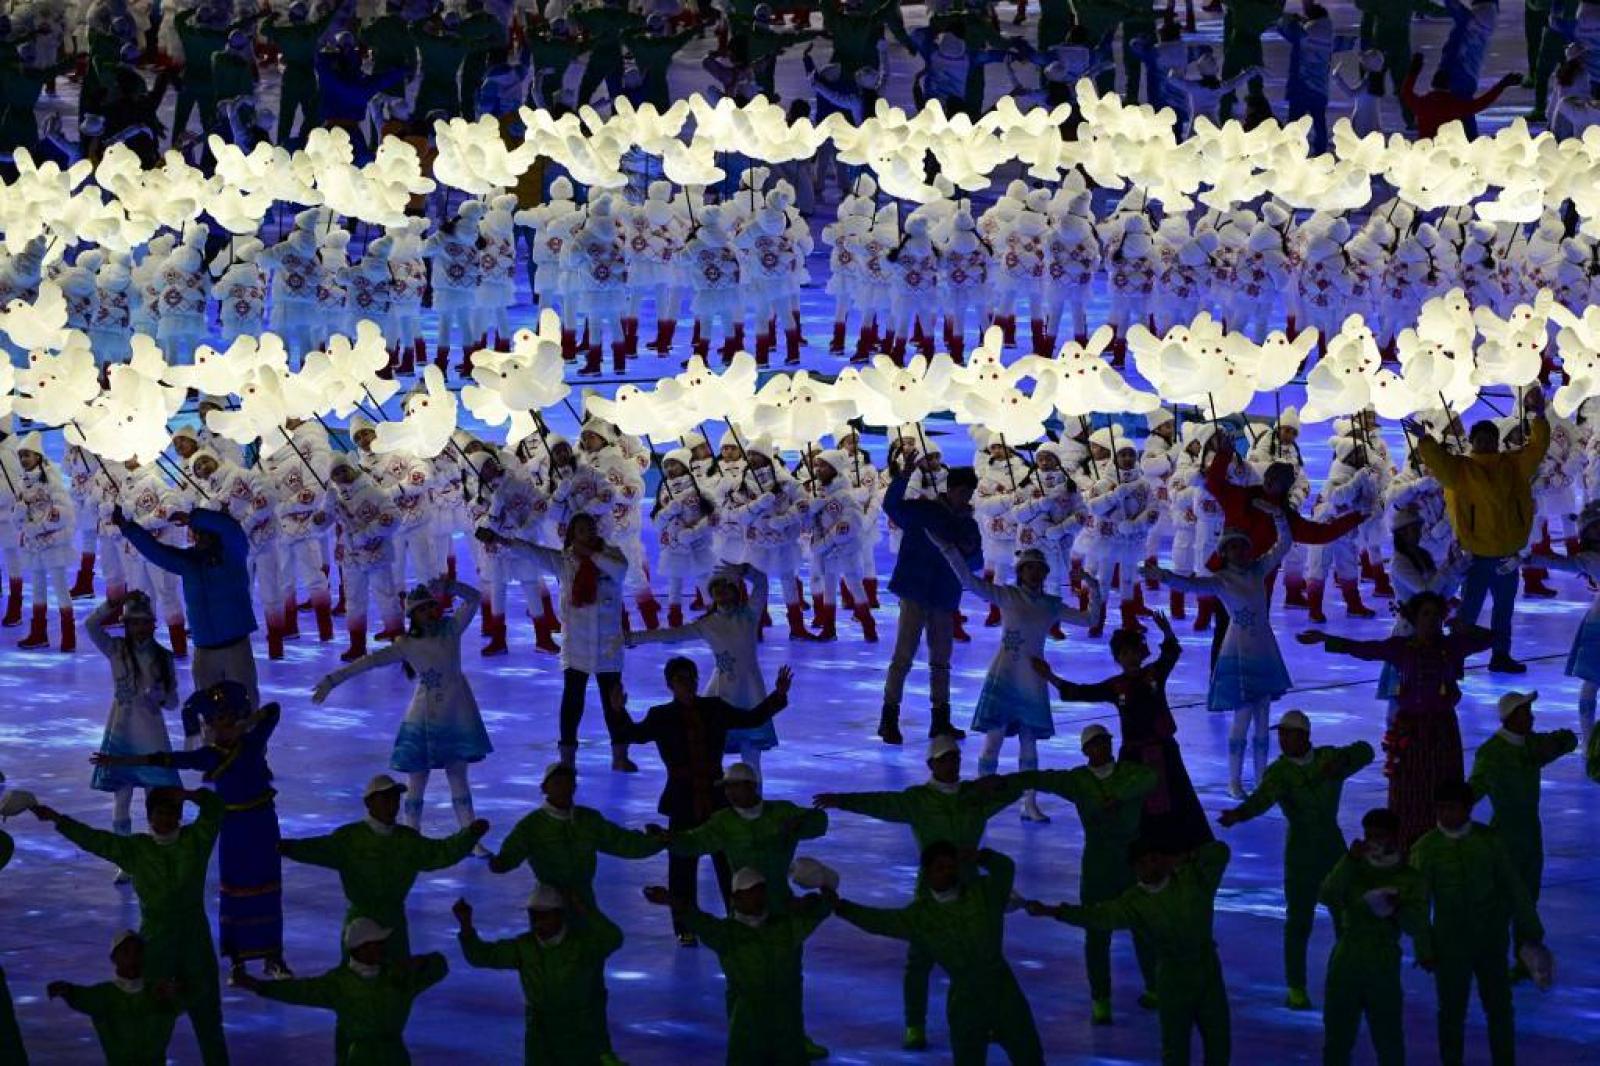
{"x": 1011, "y": 642}
{"x": 1244, "y": 618}
{"x": 431, "y": 679}
{"x": 726, "y": 662}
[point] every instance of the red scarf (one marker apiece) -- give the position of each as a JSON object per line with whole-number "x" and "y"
{"x": 586, "y": 583}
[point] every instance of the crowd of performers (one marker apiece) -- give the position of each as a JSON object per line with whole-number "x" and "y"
{"x": 1045, "y": 542}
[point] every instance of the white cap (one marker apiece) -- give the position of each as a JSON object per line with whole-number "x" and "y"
{"x": 942, "y": 745}
{"x": 1091, "y": 733}
{"x": 1294, "y": 720}
{"x": 556, "y": 767}
{"x": 810, "y": 873}
{"x": 1512, "y": 701}
{"x": 748, "y": 877}
{"x": 122, "y": 938}
{"x": 381, "y": 783}
{"x": 546, "y": 898}
{"x": 739, "y": 771}
{"x": 17, "y": 801}
{"x": 364, "y": 931}
{"x": 1158, "y": 418}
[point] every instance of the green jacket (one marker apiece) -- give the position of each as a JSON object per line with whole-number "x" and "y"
{"x": 134, "y": 1028}
{"x": 957, "y": 817}
{"x": 1508, "y": 775}
{"x": 1309, "y": 796}
{"x": 1110, "y": 809}
{"x": 377, "y": 870}
{"x": 764, "y": 842}
{"x": 231, "y": 76}
{"x": 170, "y": 883}
{"x": 298, "y": 41}
{"x": 389, "y": 39}
{"x": 1368, "y": 943}
{"x": 1591, "y": 757}
{"x": 372, "y": 1012}
{"x": 1474, "y": 891}
{"x": 566, "y": 1022}
{"x": 562, "y": 852}
{"x": 764, "y": 966}
{"x": 200, "y": 43}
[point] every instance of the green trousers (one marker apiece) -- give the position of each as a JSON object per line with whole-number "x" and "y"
{"x": 1355, "y": 990}
{"x": 300, "y": 94}
{"x": 1459, "y": 965}
{"x": 1000, "y": 1016}
{"x": 1300, "y": 887}
{"x": 1193, "y": 996}
{"x": 914, "y": 986}
{"x": 11, "y": 1049}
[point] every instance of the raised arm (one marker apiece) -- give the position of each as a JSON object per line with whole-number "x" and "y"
{"x": 470, "y": 599}
{"x": 326, "y": 850}
{"x": 96, "y": 626}
{"x": 978, "y": 586}
{"x": 371, "y": 661}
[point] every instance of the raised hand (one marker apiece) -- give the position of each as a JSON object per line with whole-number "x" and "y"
{"x": 784, "y": 680}
{"x": 657, "y": 895}
{"x": 825, "y": 801}
{"x": 463, "y": 913}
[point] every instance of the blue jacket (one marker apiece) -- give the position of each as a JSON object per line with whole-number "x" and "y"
{"x": 921, "y": 574}
{"x": 216, "y": 590}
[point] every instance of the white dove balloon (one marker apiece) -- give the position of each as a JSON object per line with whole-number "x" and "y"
{"x": 429, "y": 420}
{"x": 54, "y": 387}
{"x": 914, "y": 391}
{"x": 39, "y": 324}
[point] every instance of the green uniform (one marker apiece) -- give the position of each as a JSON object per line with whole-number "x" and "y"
{"x": 763, "y": 966}
{"x": 566, "y": 1025}
{"x": 854, "y": 36}
{"x": 652, "y": 56}
{"x": 551, "y": 57}
{"x": 376, "y": 870}
{"x": 372, "y": 1011}
{"x": 605, "y": 27}
{"x": 200, "y": 44}
{"x": 1177, "y": 920}
{"x": 486, "y": 34}
{"x": 764, "y": 843}
{"x": 1546, "y": 47}
{"x": 1386, "y": 26}
{"x": 441, "y": 56}
{"x": 11, "y": 1049}
{"x": 388, "y": 38}
{"x": 965, "y": 936}
{"x": 1243, "y": 23}
{"x": 1476, "y": 895}
{"x": 297, "y": 42}
{"x": 563, "y": 852}
{"x": 1591, "y": 757}
{"x": 1308, "y": 794}
{"x": 1505, "y": 770}
{"x": 955, "y": 817}
{"x": 170, "y": 883}
{"x": 1364, "y": 967}
{"x": 1109, "y": 808}
{"x": 134, "y": 1028}
{"x": 1099, "y": 19}
{"x": 232, "y": 75}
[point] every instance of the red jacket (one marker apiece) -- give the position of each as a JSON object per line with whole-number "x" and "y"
{"x": 1239, "y": 512}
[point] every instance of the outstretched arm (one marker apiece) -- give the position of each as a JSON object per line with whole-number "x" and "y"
{"x": 370, "y": 661}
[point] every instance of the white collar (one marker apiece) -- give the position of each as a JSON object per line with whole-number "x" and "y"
{"x": 556, "y": 812}
{"x": 1302, "y": 760}
{"x": 361, "y": 969}
{"x": 753, "y": 921}
{"x": 949, "y": 789}
{"x": 1103, "y": 772}
{"x": 383, "y": 829}
{"x": 1159, "y": 886}
{"x": 1457, "y": 834}
{"x": 948, "y": 896}
{"x": 552, "y": 941}
{"x": 165, "y": 839}
{"x": 131, "y": 985}
{"x": 1389, "y": 860}
{"x": 1515, "y": 739}
{"x": 750, "y": 813}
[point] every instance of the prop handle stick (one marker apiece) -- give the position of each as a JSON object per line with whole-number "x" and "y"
{"x": 1094, "y": 467}
{"x": 746, "y": 457}
{"x": 383, "y": 416}
{"x": 180, "y": 474}
{"x": 1451, "y": 415}
{"x": 12, "y": 485}
{"x": 302, "y": 457}
{"x": 928, "y": 479}
{"x": 337, "y": 443}
{"x": 102, "y": 463}
{"x": 1012, "y": 474}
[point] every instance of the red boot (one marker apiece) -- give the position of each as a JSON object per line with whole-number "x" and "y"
{"x": 543, "y": 632}
{"x": 827, "y": 616}
{"x": 1151, "y": 583}
{"x": 1533, "y": 583}
{"x": 649, "y": 610}
{"x": 619, "y": 357}
{"x": 699, "y": 601}
{"x": 869, "y": 626}
{"x": 1315, "y": 590}
{"x": 836, "y": 344}
{"x": 666, "y": 328}
{"x": 1206, "y": 609}
{"x": 441, "y": 357}
{"x": 83, "y": 586}
{"x": 845, "y": 596}
{"x": 178, "y": 637}
{"x": 291, "y": 620}
{"x": 763, "y": 349}
{"x": 358, "y": 642}
{"x": 38, "y": 630}
{"x": 69, "y": 630}
{"x": 496, "y": 634}
{"x": 1294, "y": 593}
{"x": 1381, "y": 587}
{"x": 569, "y": 345}
{"x": 791, "y": 346}
{"x": 870, "y": 586}
{"x": 13, "y": 616}
{"x": 1130, "y": 615}
{"x": 274, "y": 641}
{"x": 797, "y": 623}
{"x": 674, "y": 615}
{"x": 993, "y": 617}
{"x": 1352, "y": 600}
{"x": 547, "y": 610}
{"x": 591, "y": 361}
{"x": 959, "y": 634}
{"x": 324, "y": 612}
{"x": 1175, "y": 604}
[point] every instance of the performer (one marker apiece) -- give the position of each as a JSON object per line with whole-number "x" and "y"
{"x": 133, "y": 1018}
{"x": 371, "y": 996}
{"x": 1583, "y": 660}
{"x": 690, "y": 735}
{"x": 1373, "y": 897}
{"x": 168, "y": 866}
{"x": 10, "y": 1036}
{"x": 1172, "y": 813}
{"x": 1423, "y": 744}
{"x": 559, "y": 961}
{"x": 1014, "y": 700}
{"x": 144, "y": 684}
{"x": 46, "y": 544}
{"x": 732, "y": 630}
{"x": 442, "y": 729}
{"x": 1415, "y": 570}
{"x": 1173, "y": 905}
{"x": 378, "y": 860}
{"x": 1477, "y": 899}
{"x": 959, "y": 922}
{"x": 368, "y": 521}
{"x": 1306, "y": 782}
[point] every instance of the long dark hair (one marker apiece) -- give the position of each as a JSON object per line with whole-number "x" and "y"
{"x": 1415, "y": 554}
{"x": 165, "y": 674}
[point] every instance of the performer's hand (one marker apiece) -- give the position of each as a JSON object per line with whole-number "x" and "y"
{"x": 463, "y": 913}
{"x": 657, "y": 895}
{"x": 1311, "y": 636}
{"x": 784, "y": 680}
{"x": 1228, "y": 819}
{"x": 117, "y": 517}
{"x": 44, "y": 813}
{"x": 319, "y": 692}
{"x": 1162, "y": 622}
{"x": 479, "y": 827}
{"x": 825, "y": 801}
{"x": 1042, "y": 668}
{"x": 1037, "y": 909}
{"x": 57, "y": 989}
{"x": 656, "y": 832}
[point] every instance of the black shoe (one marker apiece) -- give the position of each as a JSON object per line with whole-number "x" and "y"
{"x": 889, "y": 727}
{"x": 941, "y": 727}
{"x": 1505, "y": 664}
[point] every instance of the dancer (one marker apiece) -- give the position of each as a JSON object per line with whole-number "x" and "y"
{"x": 929, "y": 593}
{"x": 959, "y": 922}
{"x": 234, "y": 762}
{"x": 1374, "y": 898}
{"x": 1306, "y": 782}
{"x": 1423, "y": 744}
{"x": 1110, "y": 799}
{"x": 378, "y": 860}
{"x": 690, "y": 735}
{"x": 10, "y": 1036}
{"x": 1173, "y": 905}
{"x": 442, "y": 729}
{"x": 1583, "y": 660}
{"x": 591, "y": 574}
{"x": 836, "y": 524}
{"x": 1415, "y": 570}
{"x": 1506, "y": 771}
{"x": 559, "y": 961}
{"x": 1249, "y": 672}
{"x": 1489, "y": 496}
{"x": 1478, "y": 900}
{"x": 1015, "y": 700}
{"x": 732, "y": 630}
{"x": 371, "y": 996}
{"x": 46, "y": 519}
{"x": 368, "y": 521}
{"x": 168, "y": 866}
{"x": 133, "y": 1018}
{"x": 944, "y": 810}
{"x": 144, "y": 684}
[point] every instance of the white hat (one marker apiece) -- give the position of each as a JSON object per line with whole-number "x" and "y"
{"x": 684, "y": 456}
{"x": 837, "y": 460}
{"x": 364, "y": 931}
{"x": 1091, "y": 733}
{"x": 17, "y": 801}
{"x": 122, "y": 938}
{"x": 557, "y": 767}
{"x": 1289, "y": 416}
{"x": 739, "y": 771}
{"x": 1294, "y": 720}
{"x": 546, "y": 898}
{"x": 381, "y": 783}
{"x": 748, "y": 877}
{"x": 1511, "y": 702}
{"x": 33, "y": 442}
{"x": 1031, "y": 555}
{"x": 810, "y": 873}
{"x": 942, "y": 745}
{"x": 1158, "y": 418}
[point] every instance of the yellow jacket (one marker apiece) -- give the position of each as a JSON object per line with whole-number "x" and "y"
{"x": 1490, "y": 497}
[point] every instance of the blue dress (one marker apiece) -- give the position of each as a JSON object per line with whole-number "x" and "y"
{"x": 134, "y": 725}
